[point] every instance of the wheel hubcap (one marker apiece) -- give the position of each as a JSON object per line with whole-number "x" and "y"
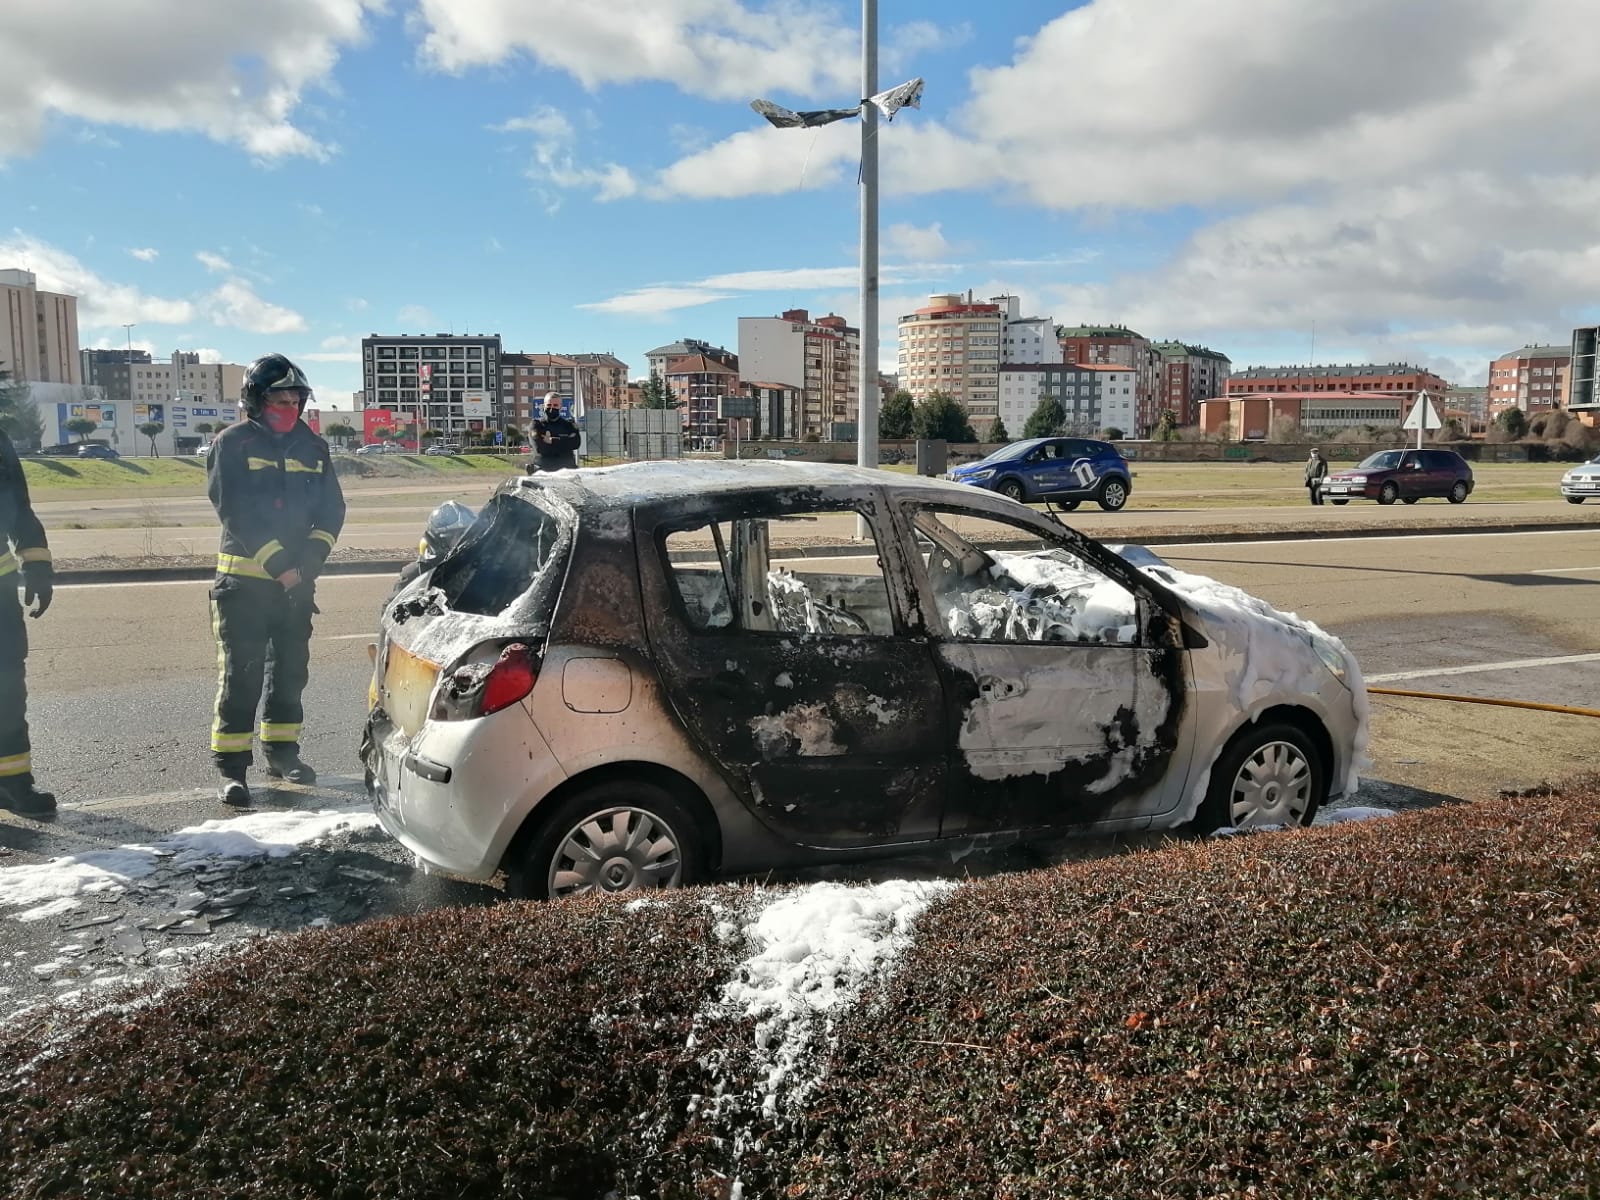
{"x": 619, "y": 850}
{"x": 1273, "y": 787}
{"x": 1115, "y": 495}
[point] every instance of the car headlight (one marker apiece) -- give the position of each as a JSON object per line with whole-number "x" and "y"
{"x": 1331, "y": 658}
{"x": 984, "y": 474}
{"x": 1569, "y": 477}
{"x": 1355, "y": 479}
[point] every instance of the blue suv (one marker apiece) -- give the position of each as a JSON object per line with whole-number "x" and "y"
{"x": 1061, "y": 471}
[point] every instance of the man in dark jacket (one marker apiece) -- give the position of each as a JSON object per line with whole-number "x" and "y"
{"x": 556, "y": 438}
{"x": 1316, "y": 471}
{"x": 272, "y": 483}
{"x": 22, "y": 548}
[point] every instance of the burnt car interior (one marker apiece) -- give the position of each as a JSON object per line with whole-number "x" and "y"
{"x": 1038, "y": 593}
{"x": 500, "y": 557}
{"x": 726, "y": 577}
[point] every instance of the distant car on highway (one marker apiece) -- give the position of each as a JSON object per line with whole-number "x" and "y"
{"x": 440, "y": 450}
{"x": 1583, "y": 481}
{"x": 1065, "y": 471}
{"x": 96, "y": 450}
{"x": 204, "y": 450}
{"x": 379, "y": 448}
{"x": 1405, "y": 475}
{"x": 613, "y": 680}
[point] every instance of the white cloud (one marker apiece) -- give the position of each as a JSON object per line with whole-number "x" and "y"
{"x": 356, "y": 304}
{"x": 554, "y": 162}
{"x": 235, "y": 304}
{"x": 145, "y": 254}
{"x": 341, "y": 341}
{"x": 764, "y": 161}
{"x": 415, "y": 316}
{"x": 906, "y": 42}
{"x": 213, "y": 262}
{"x": 912, "y": 241}
{"x": 657, "y": 301}
{"x": 332, "y": 356}
{"x": 234, "y": 73}
{"x": 722, "y": 49}
{"x": 100, "y": 302}
{"x": 208, "y": 354}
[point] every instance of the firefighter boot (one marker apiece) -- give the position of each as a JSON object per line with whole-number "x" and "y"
{"x": 22, "y": 797}
{"x": 283, "y": 762}
{"x": 232, "y": 790}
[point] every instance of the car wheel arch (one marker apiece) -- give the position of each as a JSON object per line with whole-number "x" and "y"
{"x": 679, "y": 786}
{"x": 1302, "y": 720}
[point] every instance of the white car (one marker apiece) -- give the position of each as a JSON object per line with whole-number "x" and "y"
{"x": 645, "y": 675}
{"x": 1583, "y": 481}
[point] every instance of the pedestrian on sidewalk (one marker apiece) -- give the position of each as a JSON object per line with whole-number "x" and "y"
{"x": 22, "y": 548}
{"x": 556, "y": 439}
{"x": 272, "y": 483}
{"x": 1316, "y": 471}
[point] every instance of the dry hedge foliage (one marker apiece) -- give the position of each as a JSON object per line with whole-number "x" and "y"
{"x": 1403, "y": 1007}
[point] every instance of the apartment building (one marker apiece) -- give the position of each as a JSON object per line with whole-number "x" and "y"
{"x": 1093, "y": 396}
{"x": 953, "y": 345}
{"x": 778, "y": 407}
{"x": 1189, "y": 375}
{"x": 602, "y": 380}
{"x": 698, "y": 384}
{"x": 525, "y": 380}
{"x": 1533, "y": 379}
{"x": 1393, "y": 379}
{"x": 447, "y": 382}
{"x": 656, "y": 360}
{"x": 821, "y": 357}
{"x": 38, "y": 331}
{"x": 1117, "y": 345}
{"x": 1583, "y": 389}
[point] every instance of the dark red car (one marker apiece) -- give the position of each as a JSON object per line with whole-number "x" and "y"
{"x": 1408, "y": 475}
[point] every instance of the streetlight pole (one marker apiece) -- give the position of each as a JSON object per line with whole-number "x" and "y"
{"x": 867, "y": 402}
{"x": 127, "y": 328}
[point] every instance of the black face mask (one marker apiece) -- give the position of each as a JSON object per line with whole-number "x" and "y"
{"x": 551, "y": 414}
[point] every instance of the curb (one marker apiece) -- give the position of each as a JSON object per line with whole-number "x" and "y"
{"x": 381, "y": 566}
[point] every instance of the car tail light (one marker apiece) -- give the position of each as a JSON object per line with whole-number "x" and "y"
{"x": 491, "y": 677}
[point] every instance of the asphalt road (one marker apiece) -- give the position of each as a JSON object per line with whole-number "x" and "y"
{"x": 122, "y": 678}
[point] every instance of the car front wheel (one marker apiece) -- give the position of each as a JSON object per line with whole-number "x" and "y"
{"x": 620, "y": 836}
{"x": 1458, "y": 492}
{"x": 1388, "y": 493}
{"x": 1011, "y": 489}
{"x": 1113, "y": 495}
{"x": 1268, "y": 775}
{"x": 1411, "y": 499}
{"x": 1575, "y": 499}
{"x": 1340, "y": 503}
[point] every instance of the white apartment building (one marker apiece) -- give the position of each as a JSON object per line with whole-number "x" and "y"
{"x": 821, "y": 357}
{"x": 38, "y": 331}
{"x": 1027, "y": 339}
{"x": 1092, "y": 396}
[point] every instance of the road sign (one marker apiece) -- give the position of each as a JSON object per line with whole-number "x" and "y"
{"x": 738, "y": 407}
{"x": 1423, "y": 415}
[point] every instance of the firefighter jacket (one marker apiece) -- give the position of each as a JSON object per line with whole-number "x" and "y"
{"x": 22, "y": 539}
{"x": 564, "y": 437}
{"x": 278, "y": 499}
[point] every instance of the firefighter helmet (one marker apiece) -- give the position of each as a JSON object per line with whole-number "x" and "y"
{"x": 447, "y": 525}
{"x": 270, "y": 373}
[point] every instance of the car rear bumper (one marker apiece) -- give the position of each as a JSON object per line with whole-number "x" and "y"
{"x": 455, "y": 794}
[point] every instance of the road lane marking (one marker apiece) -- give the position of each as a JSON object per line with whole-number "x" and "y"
{"x": 1515, "y": 664}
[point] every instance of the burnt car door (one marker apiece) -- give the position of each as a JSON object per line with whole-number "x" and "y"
{"x": 1068, "y": 682}
{"x": 796, "y": 674}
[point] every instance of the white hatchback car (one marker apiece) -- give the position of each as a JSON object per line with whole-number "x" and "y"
{"x": 641, "y": 676}
{"x": 1583, "y": 481}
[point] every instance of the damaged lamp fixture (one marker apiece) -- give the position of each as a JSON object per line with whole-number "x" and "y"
{"x": 907, "y": 95}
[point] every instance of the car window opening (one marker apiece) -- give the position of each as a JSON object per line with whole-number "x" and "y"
{"x": 1042, "y": 594}
{"x": 511, "y": 546}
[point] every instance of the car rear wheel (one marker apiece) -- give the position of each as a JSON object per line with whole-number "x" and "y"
{"x": 1458, "y": 492}
{"x": 1575, "y": 499}
{"x": 619, "y": 836}
{"x": 1011, "y": 489}
{"x": 1268, "y": 775}
{"x": 1411, "y": 499}
{"x": 1340, "y": 503}
{"x": 1067, "y": 505}
{"x": 1388, "y": 493}
{"x": 1113, "y": 495}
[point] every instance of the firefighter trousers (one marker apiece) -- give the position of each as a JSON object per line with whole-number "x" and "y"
{"x": 263, "y": 644}
{"x": 16, "y": 764}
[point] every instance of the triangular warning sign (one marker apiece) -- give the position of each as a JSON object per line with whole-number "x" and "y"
{"x": 1422, "y": 415}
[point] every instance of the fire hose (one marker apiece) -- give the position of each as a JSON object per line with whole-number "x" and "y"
{"x": 1529, "y": 704}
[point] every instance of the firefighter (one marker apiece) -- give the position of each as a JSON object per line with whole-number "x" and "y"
{"x": 22, "y": 547}
{"x": 556, "y": 438}
{"x": 271, "y": 481}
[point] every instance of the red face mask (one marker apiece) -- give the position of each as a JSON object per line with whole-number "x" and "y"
{"x": 279, "y": 418}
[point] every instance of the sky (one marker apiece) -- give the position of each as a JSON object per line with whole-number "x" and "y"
{"x": 1286, "y": 181}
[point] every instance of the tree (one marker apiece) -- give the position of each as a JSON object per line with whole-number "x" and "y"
{"x": 383, "y": 433}
{"x": 19, "y": 415}
{"x": 339, "y": 431}
{"x": 150, "y": 429}
{"x": 997, "y": 431}
{"x": 431, "y": 435}
{"x": 1047, "y": 417}
{"x": 513, "y": 436}
{"x": 205, "y": 427}
{"x": 1514, "y": 422}
{"x": 656, "y": 393}
{"x": 897, "y": 417}
{"x": 83, "y": 427}
{"x": 1111, "y": 433}
{"x": 1167, "y": 426}
{"x": 940, "y": 417}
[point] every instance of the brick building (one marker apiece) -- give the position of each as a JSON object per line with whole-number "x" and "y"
{"x": 1394, "y": 379}
{"x": 1533, "y": 379}
{"x": 1189, "y": 375}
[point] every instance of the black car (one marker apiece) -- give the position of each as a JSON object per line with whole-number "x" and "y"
{"x": 96, "y": 450}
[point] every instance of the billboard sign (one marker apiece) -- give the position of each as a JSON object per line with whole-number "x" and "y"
{"x": 313, "y": 419}
{"x": 425, "y": 378}
{"x": 374, "y": 419}
{"x": 476, "y": 404}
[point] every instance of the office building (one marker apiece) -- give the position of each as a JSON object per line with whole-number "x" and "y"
{"x": 445, "y": 382}
{"x": 38, "y": 331}
{"x": 821, "y": 357}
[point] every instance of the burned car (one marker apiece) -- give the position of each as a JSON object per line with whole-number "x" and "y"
{"x": 645, "y": 675}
